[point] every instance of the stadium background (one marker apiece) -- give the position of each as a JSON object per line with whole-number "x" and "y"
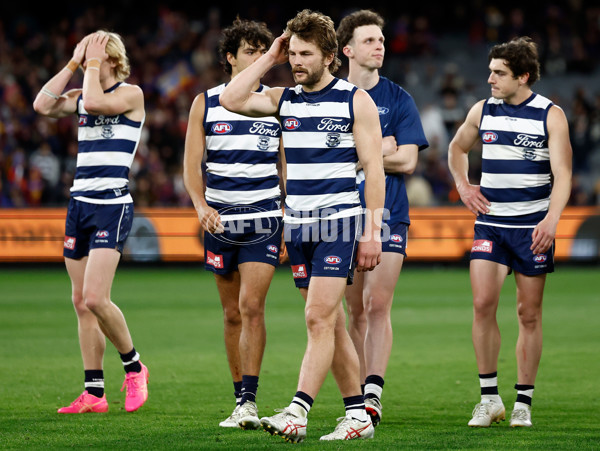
{"x": 437, "y": 51}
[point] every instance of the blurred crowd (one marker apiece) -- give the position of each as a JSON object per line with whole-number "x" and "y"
{"x": 173, "y": 57}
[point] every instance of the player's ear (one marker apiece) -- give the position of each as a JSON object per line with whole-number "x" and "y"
{"x": 348, "y": 51}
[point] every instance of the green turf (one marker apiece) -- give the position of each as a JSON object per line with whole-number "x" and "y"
{"x": 176, "y": 322}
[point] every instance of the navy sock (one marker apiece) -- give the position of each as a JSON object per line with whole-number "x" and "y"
{"x": 249, "y": 388}
{"x": 94, "y": 382}
{"x": 131, "y": 361}
{"x": 237, "y": 391}
{"x": 301, "y": 403}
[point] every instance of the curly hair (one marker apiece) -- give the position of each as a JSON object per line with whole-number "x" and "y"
{"x": 351, "y": 22}
{"x": 521, "y": 56}
{"x": 242, "y": 30}
{"x": 315, "y": 27}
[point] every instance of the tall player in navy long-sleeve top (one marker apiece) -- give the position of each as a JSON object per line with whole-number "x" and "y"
{"x": 111, "y": 115}
{"x": 369, "y": 298}
{"x": 525, "y": 185}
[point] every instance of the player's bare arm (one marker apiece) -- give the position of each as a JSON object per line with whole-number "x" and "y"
{"x": 127, "y": 99}
{"x": 403, "y": 160}
{"x": 367, "y": 137}
{"x": 195, "y": 146}
{"x": 458, "y": 162}
{"x": 238, "y": 95}
{"x": 51, "y": 101}
{"x": 561, "y": 153}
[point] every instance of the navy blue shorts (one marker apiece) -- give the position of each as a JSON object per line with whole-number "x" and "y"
{"x": 89, "y": 226}
{"x": 249, "y": 240}
{"x": 511, "y": 247}
{"x": 325, "y": 248}
{"x": 393, "y": 238}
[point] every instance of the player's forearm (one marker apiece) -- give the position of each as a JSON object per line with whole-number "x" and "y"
{"x": 559, "y": 197}
{"x": 51, "y": 93}
{"x": 374, "y": 201}
{"x": 458, "y": 164}
{"x": 236, "y": 94}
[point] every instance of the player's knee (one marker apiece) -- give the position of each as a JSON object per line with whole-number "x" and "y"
{"x": 318, "y": 321}
{"x": 232, "y": 316}
{"x": 252, "y": 309}
{"x": 93, "y": 300}
{"x": 484, "y": 306}
{"x": 529, "y": 318}
{"x": 378, "y": 304}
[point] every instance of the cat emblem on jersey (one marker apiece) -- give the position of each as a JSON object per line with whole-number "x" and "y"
{"x": 332, "y": 139}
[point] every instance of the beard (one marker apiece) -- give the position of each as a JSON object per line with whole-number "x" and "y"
{"x": 311, "y": 78}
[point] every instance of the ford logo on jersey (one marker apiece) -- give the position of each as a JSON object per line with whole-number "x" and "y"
{"x": 221, "y": 128}
{"x": 333, "y": 259}
{"x": 291, "y": 123}
{"x": 489, "y": 137}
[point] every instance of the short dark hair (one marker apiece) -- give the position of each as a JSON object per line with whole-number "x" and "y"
{"x": 354, "y": 20}
{"x": 252, "y": 32}
{"x": 521, "y": 56}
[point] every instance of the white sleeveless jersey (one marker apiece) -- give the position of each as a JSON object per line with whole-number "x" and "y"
{"x": 241, "y": 161}
{"x": 107, "y": 146}
{"x": 516, "y": 173}
{"x": 320, "y": 152}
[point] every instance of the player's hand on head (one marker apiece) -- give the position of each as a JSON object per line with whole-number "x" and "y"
{"x": 96, "y": 47}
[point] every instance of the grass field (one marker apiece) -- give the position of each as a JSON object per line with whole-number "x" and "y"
{"x": 176, "y": 322}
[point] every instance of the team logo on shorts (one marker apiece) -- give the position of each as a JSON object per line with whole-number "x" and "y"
{"x": 272, "y": 248}
{"x": 299, "y": 271}
{"x": 222, "y": 128}
{"x": 332, "y": 260}
{"x": 291, "y": 123}
{"x": 102, "y": 234}
{"x": 216, "y": 261}
{"x": 489, "y": 137}
{"x": 482, "y": 246}
{"x": 539, "y": 258}
{"x": 70, "y": 242}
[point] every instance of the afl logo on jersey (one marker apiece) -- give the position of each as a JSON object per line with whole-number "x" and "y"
{"x": 291, "y": 123}
{"x": 82, "y": 120}
{"x": 221, "y": 128}
{"x": 102, "y": 234}
{"x": 396, "y": 238}
{"x": 333, "y": 259}
{"x": 540, "y": 258}
{"x": 489, "y": 137}
{"x": 272, "y": 248}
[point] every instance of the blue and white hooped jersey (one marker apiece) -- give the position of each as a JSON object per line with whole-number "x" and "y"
{"x": 107, "y": 146}
{"x": 241, "y": 161}
{"x": 320, "y": 152}
{"x": 399, "y": 117}
{"x": 515, "y": 171}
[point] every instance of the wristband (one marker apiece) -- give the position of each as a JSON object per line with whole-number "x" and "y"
{"x": 50, "y": 94}
{"x": 93, "y": 63}
{"x": 72, "y": 66}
